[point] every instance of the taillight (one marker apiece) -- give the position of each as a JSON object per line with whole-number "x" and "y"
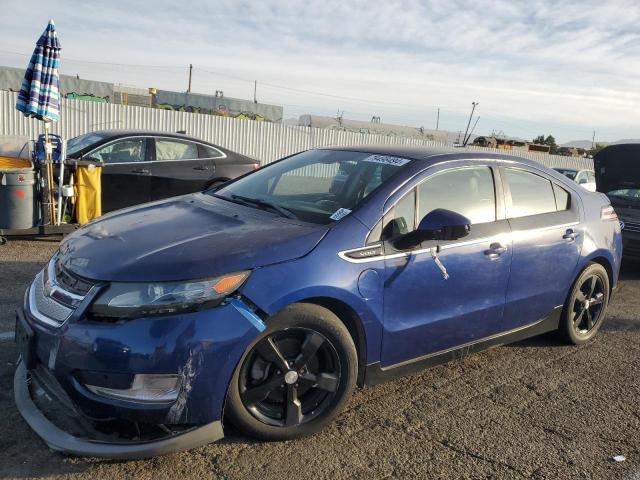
{"x": 256, "y": 166}
{"x": 608, "y": 213}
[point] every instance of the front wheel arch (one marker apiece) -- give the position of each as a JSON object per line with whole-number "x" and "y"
{"x": 296, "y": 316}
{"x": 353, "y": 322}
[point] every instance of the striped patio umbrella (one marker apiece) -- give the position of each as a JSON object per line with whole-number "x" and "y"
{"x": 39, "y": 95}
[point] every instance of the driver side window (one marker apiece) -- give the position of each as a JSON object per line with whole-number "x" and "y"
{"x": 121, "y": 151}
{"x": 468, "y": 191}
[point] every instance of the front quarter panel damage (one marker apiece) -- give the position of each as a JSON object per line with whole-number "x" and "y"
{"x": 203, "y": 348}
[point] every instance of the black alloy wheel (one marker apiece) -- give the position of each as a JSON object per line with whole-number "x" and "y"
{"x": 290, "y": 377}
{"x": 586, "y": 305}
{"x": 296, "y": 376}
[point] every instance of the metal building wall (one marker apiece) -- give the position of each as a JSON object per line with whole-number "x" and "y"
{"x": 264, "y": 141}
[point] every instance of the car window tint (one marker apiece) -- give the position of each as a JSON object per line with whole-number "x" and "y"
{"x": 467, "y": 191}
{"x": 209, "y": 152}
{"x": 563, "y": 199}
{"x": 530, "y": 194}
{"x": 169, "y": 149}
{"x": 121, "y": 151}
{"x": 315, "y": 178}
{"x": 401, "y": 218}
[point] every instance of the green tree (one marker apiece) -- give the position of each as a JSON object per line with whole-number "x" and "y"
{"x": 548, "y": 140}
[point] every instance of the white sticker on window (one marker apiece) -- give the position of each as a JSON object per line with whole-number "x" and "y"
{"x": 387, "y": 160}
{"x": 341, "y": 212}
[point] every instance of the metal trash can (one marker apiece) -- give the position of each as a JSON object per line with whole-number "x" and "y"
{"x": 18, "y": 206}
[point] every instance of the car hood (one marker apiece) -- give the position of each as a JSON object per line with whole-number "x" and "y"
{"x": 183, "y": 238}
{"x": 617, "y": 167}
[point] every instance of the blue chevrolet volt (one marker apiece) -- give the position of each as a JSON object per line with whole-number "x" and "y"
{"x": 264, "y": 302}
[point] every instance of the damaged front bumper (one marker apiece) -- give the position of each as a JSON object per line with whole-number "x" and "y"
{"x": 60, "y": 440}
{"x": 201, "y": 348}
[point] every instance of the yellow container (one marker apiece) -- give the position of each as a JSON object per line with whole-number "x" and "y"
{"x": 88, "y": 193}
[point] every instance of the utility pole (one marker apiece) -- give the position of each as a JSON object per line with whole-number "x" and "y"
{"x": 255, "y": 89}
{"x": 593, "y": 140}
{"x": 190, "y": 70}
{"x": 473, "y": 108}
{"x": 471, "y": 132}
{"x": 438, "y": 120}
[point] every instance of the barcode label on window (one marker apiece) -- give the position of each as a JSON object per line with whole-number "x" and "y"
{"x": 341, "y": 212}
{"x": 386, "y": 160}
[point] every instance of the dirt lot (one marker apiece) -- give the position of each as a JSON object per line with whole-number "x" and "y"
{"x": 534, "y": 409}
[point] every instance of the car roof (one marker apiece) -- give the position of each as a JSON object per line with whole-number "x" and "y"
{"x": 114, "y": 133}
{"x": 433, "y": 154}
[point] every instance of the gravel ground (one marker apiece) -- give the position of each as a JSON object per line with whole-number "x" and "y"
{"x": 535, "y": 409}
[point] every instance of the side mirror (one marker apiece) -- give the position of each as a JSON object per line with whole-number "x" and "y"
{"x": 438, "y": 224}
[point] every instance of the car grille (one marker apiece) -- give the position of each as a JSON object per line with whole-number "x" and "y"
{"x": 69, "y": 281}
{"x": 55, "y": 293}
{"x": 44, "y": 308}
{"x": 631, "y": 226}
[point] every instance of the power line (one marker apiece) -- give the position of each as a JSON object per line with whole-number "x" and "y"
{"x": 361, "y": 100}
{"x": 233, "y": 77}
{"x": 95, "y": 62}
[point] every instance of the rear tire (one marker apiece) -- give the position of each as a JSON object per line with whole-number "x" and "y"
{"x": 296, "y": 377}
{"x": 586, "y": 305}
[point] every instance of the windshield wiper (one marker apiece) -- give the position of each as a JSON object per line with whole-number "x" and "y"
{"x": 285, "y": 212}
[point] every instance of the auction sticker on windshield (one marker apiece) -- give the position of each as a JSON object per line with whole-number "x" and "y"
{"x": 387, "y": 160}
{"x": 341, "y": 212}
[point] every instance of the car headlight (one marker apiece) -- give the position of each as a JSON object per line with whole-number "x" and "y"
{"x": 129, "y": 300}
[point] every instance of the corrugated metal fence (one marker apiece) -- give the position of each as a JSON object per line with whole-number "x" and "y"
{"x": 261, "y": 140}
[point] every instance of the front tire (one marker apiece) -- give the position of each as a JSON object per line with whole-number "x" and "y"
{"x": 586, "y": 305}
{"x": 296, "y": 377}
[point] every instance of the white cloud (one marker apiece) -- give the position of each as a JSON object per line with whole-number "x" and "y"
{"x": 539, "y": 66}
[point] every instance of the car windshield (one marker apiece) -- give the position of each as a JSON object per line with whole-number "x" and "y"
{"x": 317, "y": 186}
{"x": 82, "y": 141}
{"x": 632, "y": 194}
{"x": 567, "y": 173}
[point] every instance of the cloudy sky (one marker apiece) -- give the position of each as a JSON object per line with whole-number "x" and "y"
{"x": 535, "y": 66}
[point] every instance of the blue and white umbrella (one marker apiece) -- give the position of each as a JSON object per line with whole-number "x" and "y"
{"x": 39, "y": 95}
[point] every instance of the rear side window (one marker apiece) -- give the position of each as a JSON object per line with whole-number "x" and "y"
{"x": 531, "y": 194}
{"x": 209, "y": 152}
{"x": 467, "y": 191}
{"x": 169, "y": 149}
{"x": 563, "y": 199}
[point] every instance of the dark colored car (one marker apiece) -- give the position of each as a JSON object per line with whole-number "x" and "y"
{"x": 617, "y": 170}
{"x": 142, "y": 166}
{"x": 266, "y": 301}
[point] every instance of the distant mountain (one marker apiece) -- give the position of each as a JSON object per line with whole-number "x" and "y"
{"x": 586, "y": 144}
{"x": 626, "y": 140}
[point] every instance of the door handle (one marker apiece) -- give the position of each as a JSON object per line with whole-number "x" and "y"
{"x": 201, "y": 167}
{"x": 569, "y": 235}
{"x": 140, "y": 170}
{"x": 495, "y": 250}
